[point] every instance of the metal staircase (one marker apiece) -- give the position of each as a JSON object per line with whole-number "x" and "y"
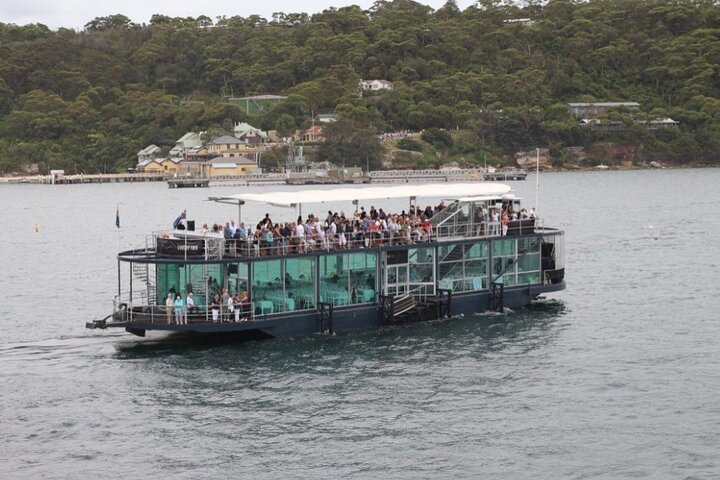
{"x": 146, "y": 274}
{"x": 451, "y": 222}
{"x": 198, "y": 282}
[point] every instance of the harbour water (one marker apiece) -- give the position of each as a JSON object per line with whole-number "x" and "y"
{"x": 616, "y": 377}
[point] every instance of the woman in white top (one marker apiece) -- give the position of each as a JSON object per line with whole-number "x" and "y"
{"x": 235, "y": 306}
{"x": 231, "y": 308}
{"x": 300, "y": 237}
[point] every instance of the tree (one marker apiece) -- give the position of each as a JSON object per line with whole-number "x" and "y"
{"x": 109, "y": 22}
{"x": 350, "y": 144}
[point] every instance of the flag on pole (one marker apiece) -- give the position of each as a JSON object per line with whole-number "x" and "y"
{"x": 117, "y": 217}
{"x": 180, "y": 218}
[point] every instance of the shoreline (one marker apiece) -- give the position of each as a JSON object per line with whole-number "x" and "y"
{"x": 35, "y": 179}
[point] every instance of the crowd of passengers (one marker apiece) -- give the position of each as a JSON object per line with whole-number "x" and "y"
{"x": 224, "y": 307}
{"x": 364, "y": 229}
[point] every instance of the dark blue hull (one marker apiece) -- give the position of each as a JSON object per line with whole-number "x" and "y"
{"x": 345, "y": 319}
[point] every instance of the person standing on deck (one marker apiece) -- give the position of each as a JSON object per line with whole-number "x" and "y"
{"x": 169, "y": 307}
{"x": 300, "y": 236}
{"x": 237, "y": 306}
{"x": 179, "y": 309}
{"x": 224, "y": 302}
{"x": 190, "y": 304}
{"x": 494, "y": 221}
{"x": 229, "y": 304}
{"x": 216, "y": 308}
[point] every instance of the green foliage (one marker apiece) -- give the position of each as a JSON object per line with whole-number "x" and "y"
{"x": 93, "y": 98}
{"x": 438, "y": 138}
{"x": 350, "y": 144}
{"x": 409, "y": 144}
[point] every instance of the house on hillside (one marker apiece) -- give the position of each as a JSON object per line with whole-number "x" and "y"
{"x": 224, "y": 146}
{"x": 660, "y": 123}
{"x": 617, "y": 125}
{"x": 523, "y": 22}
{"x": 148, "y": 153}
{"x": 159, "y": 165}
{"x": 375, "y": 85}
{"x": 248, "y": 134}
{"x": 589, "y": 110}
{"x": 325, "y": 118}
{"x": 222, "y": 166}
{"x": 185, "y": 143}
{"x": 313, "y": 134}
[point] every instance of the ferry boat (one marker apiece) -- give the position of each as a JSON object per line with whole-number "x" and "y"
{"x": 461, "y": 261}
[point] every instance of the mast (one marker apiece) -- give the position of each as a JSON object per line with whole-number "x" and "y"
{"x": 537, "y": 181}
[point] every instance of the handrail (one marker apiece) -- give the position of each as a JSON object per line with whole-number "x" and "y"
{"x": 250, "y": 248}
{"x": 238, "y": 249}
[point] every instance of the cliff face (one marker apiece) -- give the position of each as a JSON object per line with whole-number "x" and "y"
{"x": 529, "y": 159}
{"x": 574, "y": 157}
{"x": 615, "y": 153}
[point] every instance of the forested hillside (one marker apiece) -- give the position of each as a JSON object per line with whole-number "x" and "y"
{"x": 89, "y": 100}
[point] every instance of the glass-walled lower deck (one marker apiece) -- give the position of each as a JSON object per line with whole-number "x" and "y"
{"x": 276, "y": 285}
{"x": 355, "y": 277}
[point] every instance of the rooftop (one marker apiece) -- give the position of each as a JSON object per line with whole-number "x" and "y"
{"x": 433, "y": 190}
{"x": 225, "y": 140}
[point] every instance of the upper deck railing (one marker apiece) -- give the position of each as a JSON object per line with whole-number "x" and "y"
{"x": 196, "y": 246}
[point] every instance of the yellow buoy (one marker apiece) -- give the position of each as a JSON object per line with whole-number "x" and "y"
{"x": 37, "y": 228}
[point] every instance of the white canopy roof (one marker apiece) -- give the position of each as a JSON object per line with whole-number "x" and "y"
{"x": 451, "y": 191}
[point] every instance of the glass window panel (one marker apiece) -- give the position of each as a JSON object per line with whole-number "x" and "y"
{"x": 328, "y": 264}
{"x": 529, "y": 263}
{"x": 363, "y": 283}
{"x": 477, "y": 250}
{"x": 503, "y": 248}
{"x": 268, "y": 286}
{"x": 525, "y": 244}
{"x": 479, "y": 282}
{"x": 167, "y": 280}
{"x": 451, "y": 270}
{"x": 473, "y": 267}
{"x": 237, "y": 279}
{"x": 421, "y": 255}
{"x": 361, "y": 261}
{"x": 503, "y": 265}
{"x": 402, "y": 276}
{"x": 392, "y": 275}
{"x": 445, "y": 250}
{"x": 528, "y": 278}
{"x": 334, "y": 281}
{"x": 267, "y": 272}
{"x": 422, "y": 273}
{"x": 299, "y": 284}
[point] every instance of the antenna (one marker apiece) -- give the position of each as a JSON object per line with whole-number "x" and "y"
{"x": 537, "y": 181}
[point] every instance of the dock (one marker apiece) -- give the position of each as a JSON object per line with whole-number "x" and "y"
{"x": 449, "y": 175}
{"x": 188, "y": 183}
{"x": 290, "y": 178}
